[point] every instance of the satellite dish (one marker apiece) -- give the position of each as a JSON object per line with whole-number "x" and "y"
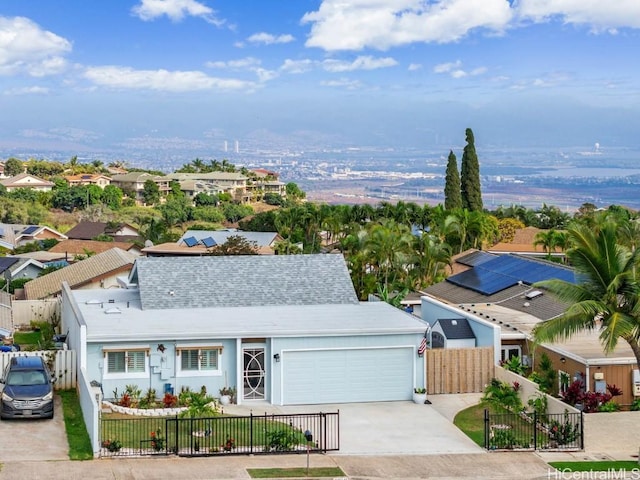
{"x": 148, "y": 243}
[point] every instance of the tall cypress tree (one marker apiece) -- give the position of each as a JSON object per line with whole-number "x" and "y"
{"x": 470, "y": 176}
{"x": 452, "y": 187}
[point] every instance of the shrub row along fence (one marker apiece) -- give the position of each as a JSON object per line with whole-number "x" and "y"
{"x": 533, "y": 431}
{"x": 240, "y": 435}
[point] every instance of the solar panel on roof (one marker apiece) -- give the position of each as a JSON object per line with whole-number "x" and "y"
{"x": 208, "y": 242}
{"x": 30, "y": 230}
{"x": 505, "y": 271}
{"x": 190, "y": 241}
{"x": 482, "y": 281}
{"x": 475, "y": 258}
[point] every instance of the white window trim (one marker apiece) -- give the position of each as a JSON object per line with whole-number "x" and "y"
{"x": 125, "y": 375}
{"x": 198, "y": 373}
{"x": 505, "y": 350}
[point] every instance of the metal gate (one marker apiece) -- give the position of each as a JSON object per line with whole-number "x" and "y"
{"x": 225, "y": 435}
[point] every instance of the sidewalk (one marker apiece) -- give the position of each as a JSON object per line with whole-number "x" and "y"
{"x": 488, "y": 466}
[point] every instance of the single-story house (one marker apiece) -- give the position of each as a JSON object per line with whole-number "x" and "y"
{"x": 26, "y": 180}
{"x": 198, "y": 242}
{"x": 101, "y": 270}
{"x": 498, "y": 290}
{"x": 15, "y": 267}
{"x": 282, "y": 329}
{"x": 15, "y": 235}
{"x": 120, "y": 232}
{"x": 71, "y": 249}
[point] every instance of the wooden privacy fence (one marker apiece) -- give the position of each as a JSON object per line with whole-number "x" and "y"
{"x": 458, "y": 370}
{"x": 61, "y": 362}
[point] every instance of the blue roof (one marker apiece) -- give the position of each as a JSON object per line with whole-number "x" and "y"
{"x": 502, "y": 272}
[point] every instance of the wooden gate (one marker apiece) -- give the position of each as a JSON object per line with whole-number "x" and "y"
{"x": 458, "y": 370}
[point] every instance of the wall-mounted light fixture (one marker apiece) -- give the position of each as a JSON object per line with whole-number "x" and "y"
{"x": 276, "y": 357}
{"x": 562, "y": 359}
{"x": 161, "y": 348}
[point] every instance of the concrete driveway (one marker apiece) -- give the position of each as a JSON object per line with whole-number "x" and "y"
{"x": 36, "y": 439}
{"x": 388, "y": 428}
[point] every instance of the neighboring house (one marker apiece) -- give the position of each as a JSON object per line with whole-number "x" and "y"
{"x": 14, "y": 267}
{"x": 284, "y": 329}
{"x": 26, "y": 180}
{"x": 233, "y": 183}
{"x": 43, "y": 256}
{"x": 198, "y": 242}
{"x": 133, "y": 183}
{"x": 523, "y": 244}
{"x": 82, "y": 248}
{"x": 120, "y": 232}
{"x": 98, "y": 271}
{"x": 14, "y": 235}
{"x": 498, "y": 290}
{"x": 191, "y": 188}
{"x": 263, "y": 173}
{"x": 88, "y": 179}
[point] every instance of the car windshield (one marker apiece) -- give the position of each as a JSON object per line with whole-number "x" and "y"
{"x": 35, "y": 377}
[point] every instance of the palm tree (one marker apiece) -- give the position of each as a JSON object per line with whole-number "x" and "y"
{"x": 606, "y": 297}
{"x": 549, "y": 240}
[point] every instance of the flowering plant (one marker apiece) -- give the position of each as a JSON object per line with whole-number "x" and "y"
{"x": 157, "y": 442}
{"x": 112, "y": 445}
{"x": 229, "y": 444}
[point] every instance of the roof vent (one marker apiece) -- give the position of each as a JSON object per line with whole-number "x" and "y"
{"x": 454, "y": 322}
{"x": 113, "y": 310}
{"x": 93, "y": 302}
{"x": 533, "y": 294}
{"x": 526, "y": 304}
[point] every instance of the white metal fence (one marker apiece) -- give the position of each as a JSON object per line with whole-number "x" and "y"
{"x": 61, "y": 362}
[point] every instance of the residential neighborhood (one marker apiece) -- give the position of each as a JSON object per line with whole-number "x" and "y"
{"x": 323, "y": 316}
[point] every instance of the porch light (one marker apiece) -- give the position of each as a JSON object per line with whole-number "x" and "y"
{"x": 276, "y": 357}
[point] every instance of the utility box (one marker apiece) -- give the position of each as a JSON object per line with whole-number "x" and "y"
{"x": 636, "y": 382}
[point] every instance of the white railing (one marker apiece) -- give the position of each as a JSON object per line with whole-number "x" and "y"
{"x": 64, "y": 365}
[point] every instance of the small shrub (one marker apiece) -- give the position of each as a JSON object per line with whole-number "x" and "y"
{"x": 125, "y": 400}
{"x": 503, "y": 438}
{"x": 635, "y": 406}
{"x": 564, "y": 432}
{"x": 169, "y": 400}
{"x": 112, "y": 445}
{"x": 281, "y": 440}
{"x": 609, "y": 406}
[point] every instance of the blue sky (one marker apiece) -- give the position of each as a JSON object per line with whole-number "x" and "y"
{"x": 185, "y": 73}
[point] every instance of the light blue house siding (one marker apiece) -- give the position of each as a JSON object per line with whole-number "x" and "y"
{"x": 486, "y": 333}
{"x": 162, "y": 369}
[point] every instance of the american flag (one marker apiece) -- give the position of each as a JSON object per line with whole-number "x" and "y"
{"x": 423, "y": 343}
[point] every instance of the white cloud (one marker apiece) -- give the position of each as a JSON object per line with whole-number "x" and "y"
{"x": 414, "y": 66}
{"x": 239, "y": 64}
{"x": 343, "y": 83}
{"x": 455, "y": 70}
{"x": 298, "y": 66}
{"x": 598, "y": 14}
{"x": 26, "y": 48}
{"x": 27, "y": 91}
{"x": 382, "y": 24}
{"x": 361, "y": 63}
{"x": 161, "y": 80}
{"x": 268, "y": 39}
{"x": 447, "y": 67}
{"x": 176, "y": 10}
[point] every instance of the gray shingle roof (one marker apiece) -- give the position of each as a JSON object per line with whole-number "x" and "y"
{"x": 243, "y": 281}
{"x": 456, "y": 328}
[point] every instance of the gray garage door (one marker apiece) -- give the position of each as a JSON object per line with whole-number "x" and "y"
{"x": 343, "y": 376}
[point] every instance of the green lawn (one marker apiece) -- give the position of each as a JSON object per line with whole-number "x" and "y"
{"x": 216, "y": 433}
{"x": 77, "y": 436}
{"x": 27, "y": 338}
{"x": 471, "y": 422}
{"x": 299, "y": 472}
{"x": 596, "y": 466}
